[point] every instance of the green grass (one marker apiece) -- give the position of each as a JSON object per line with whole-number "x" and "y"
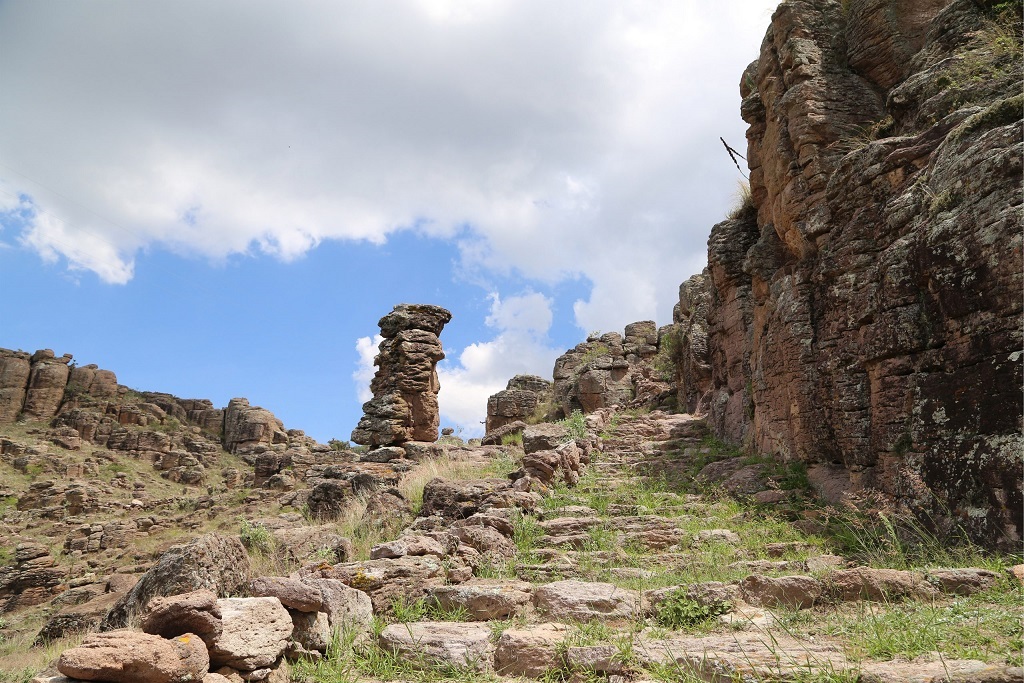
{"x": 985, "y": 626}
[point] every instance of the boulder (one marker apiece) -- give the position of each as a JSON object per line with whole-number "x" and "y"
{"x": 585, "y": 601}
{"x": 214, "y": 562}
{"x": 484, "y": 599}
{"x": 346, "y": 608}
{"x": 795, "y": 592}
{"x": 432, "y": 644}
{"x": 254, "y": 634}
{"x": 196, "y": 612}
{"x": 293, "y": 593}
{"x": 132, "y": 657}
{"x": 530, "y": 652}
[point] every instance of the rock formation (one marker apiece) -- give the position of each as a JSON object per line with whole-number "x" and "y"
{"x": 246, "y": 426}
{"x": 519, "y": 401}
{"x": 613, "y": 369}
{"x": 865, "y": 308}
{"x": 405, "y": 386}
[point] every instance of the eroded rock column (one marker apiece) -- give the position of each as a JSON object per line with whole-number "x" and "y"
{"x": 404, "y": 403}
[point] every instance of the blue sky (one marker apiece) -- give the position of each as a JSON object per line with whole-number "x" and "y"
{"x": 221, "y": 199}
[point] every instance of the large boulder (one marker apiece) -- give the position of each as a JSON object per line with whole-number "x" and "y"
{"x": 214, "y": 562}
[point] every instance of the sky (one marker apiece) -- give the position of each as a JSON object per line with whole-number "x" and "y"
{"x": 220, "y": 199}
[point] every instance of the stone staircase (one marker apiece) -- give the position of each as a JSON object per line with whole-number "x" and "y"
{"x": 602, "y": 558}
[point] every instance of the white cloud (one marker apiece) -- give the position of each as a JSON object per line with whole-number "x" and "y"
{"x": 574, "y": 138}
{"x": 484, "y": 368}
{"x": 366, "y": 350}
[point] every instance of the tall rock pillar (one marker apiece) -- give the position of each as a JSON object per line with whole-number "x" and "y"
{"x": 404, "y": 403}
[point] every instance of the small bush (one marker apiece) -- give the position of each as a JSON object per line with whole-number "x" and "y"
{"x": 256, "y": 537}
{"x": 680, "y": 612}
{"x": 513, "y": 439}
{"x": 577, "y": 425}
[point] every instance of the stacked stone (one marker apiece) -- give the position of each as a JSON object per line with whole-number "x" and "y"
{"x": 518, "y": 401}
{"x": 405, "y": 387}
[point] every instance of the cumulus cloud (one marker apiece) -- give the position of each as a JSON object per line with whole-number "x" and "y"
{"x": 521, "y": 323}
{"x": 366, "y": 351}
{"x": 568, "y": 137}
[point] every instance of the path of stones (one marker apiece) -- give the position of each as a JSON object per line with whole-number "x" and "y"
{"x": 595, "y": 630}
{"x": 613, "y": 575}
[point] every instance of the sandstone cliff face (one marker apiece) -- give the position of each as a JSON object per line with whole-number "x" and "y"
{"x": 865, "y": 312}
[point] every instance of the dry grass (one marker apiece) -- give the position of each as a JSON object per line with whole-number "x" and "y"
{"x": 19, "y": 660}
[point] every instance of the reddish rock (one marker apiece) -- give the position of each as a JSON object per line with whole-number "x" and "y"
{"x": 15, "y": 367}
{"x": 405, "y": 386}
{"x": 132, "y": 657}
{"x": 46, "y": 383}
{"x": 865, "y": 307}
{"x": 247, "y": 426}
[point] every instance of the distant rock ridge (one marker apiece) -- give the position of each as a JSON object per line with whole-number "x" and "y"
{"x": 405, "y": 386}
{"x": 44, "y": 387}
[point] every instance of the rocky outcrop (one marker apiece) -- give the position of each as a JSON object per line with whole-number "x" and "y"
{"x": 519, "y": 401}
{"x": 865, "y": 310}
{"x": 46, "y": 383}
{"x": 212, "y": 562}
{"x": 15, "y": 367}
{"x": 614, "y": 369}
{"x": 405, "y": 386}
{"x": 686, "y": 345}
{"x": 246, "y": 427}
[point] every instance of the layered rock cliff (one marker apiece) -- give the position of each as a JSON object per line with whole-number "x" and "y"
{"x": 865, "y": 309}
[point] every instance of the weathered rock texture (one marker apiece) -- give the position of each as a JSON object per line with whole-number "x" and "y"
{"x": 404, "y": 403}
{"x": 519, "y": 401}
{"x": 634, "y": 368}
{"x": 865, "y": 311}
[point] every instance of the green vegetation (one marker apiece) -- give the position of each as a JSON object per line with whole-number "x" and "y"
{"x": 257, "y": 538}
{"x": 679, "y": 612}
{"x": 576, "y": 423}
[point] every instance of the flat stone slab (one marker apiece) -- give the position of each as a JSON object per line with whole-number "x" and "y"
{"x": 439, "y": 644}
{"x": 585, "y": 601}
{"x": 484, "y": 599}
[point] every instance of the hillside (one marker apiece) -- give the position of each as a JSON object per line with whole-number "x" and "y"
{"x": 813, "y": 474}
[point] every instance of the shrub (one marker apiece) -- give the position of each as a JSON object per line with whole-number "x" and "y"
{"x": 576, "y": 424}
{"x": 678, "y": 611}
{"x": 256, "y": 537}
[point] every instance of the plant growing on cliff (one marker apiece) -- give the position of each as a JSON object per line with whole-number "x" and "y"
{"x": 744, "y": 201}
